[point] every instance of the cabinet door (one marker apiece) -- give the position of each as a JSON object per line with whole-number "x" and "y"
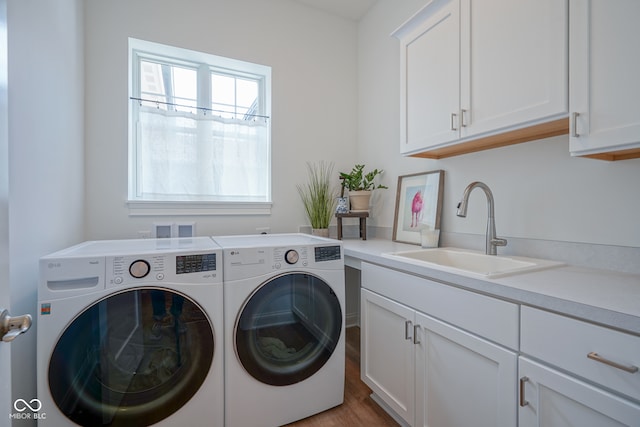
{"x": 551, "y": 398}
{"x": 514, "y": 63}
{"x": 461, "y": 379}
{"x": 430, "y": 77}
{"x": 600, "y": 355}
{"x": 605, "y": 66}
{"x": 387, "y": 352}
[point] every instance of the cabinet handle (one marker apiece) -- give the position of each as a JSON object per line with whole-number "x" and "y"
{"x": 574, "y": 124}
{"x": 407, "y": 326}
{"x": 595, "y": 356}
{"x": 523, "y": 402}
{"x": 462, "y": 121}
{"x": 453, "y": 116}
{"x": 415, "y": 334}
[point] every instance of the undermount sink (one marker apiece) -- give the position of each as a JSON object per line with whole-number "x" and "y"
{"x": 472, "y": 263}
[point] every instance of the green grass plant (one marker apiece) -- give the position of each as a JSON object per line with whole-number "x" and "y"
{"x": 318, "y": 195}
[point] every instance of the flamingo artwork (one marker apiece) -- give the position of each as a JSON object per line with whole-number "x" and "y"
{"x": 416, "y": 208}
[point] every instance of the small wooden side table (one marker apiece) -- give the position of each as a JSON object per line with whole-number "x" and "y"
{"x": 363, "y": 222}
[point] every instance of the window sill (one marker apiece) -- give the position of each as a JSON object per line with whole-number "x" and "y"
{"x": 153, "y": 208}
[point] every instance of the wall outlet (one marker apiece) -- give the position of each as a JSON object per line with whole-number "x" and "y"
{"x": 162, "y": 230}
{"x": 144, "y": 234}
{"x": 186, "y": 229}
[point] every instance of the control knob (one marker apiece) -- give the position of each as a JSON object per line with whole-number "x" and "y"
{"x": 139, "y": 268}
{"x": 291, "y": 256}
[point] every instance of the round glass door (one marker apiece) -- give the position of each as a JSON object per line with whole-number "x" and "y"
{"x": 131, "y": 359}
{"x": 288, "y": 329}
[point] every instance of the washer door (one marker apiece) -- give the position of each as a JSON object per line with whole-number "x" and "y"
{"x": 131, "y": 359}
{"x": 288, "y": 329}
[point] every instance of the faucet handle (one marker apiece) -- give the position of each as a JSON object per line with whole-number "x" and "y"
{"x": 497, "y": 241}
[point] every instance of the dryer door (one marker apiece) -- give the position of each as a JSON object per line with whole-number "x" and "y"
{"x": 288, "y": 329}
{"x": 131, "y": 359}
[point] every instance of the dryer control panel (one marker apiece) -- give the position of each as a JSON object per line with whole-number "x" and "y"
{"x": 327, "y": 253}
{"x": 253, "y": 262}
{"x": 290, "y": 256}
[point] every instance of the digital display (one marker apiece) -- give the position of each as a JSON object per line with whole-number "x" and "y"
{"x": 327, "y": 253}
{"x": 195, "y": 263}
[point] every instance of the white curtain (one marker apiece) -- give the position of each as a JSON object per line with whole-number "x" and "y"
{"x": 185, "y": 156}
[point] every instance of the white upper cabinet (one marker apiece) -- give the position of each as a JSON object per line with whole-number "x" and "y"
{"x": 604, "y": 87}
{"x": 475, "y": 74}
{"x": 513, "y": 63}
{"x": 430, "y": 77}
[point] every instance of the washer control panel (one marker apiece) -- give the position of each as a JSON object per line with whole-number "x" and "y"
{"x": 195, "y": 263}
{"x": 150, "y": 269}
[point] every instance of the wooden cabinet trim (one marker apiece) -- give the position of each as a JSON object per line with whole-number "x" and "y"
{"x": 543, "y": 130}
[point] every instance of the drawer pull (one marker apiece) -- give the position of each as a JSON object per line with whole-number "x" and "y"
{"x": 574, "y": 120}
{"x": 595, "y": 356}
{"x": 415, "y": 334}
{"x": 407, "y": 326}
{"x": 523, "y": 402}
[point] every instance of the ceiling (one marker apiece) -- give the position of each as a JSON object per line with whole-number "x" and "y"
{"x": 350, "y": 9}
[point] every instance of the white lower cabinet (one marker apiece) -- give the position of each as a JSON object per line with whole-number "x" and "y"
{"x": 387, "y": 352}
{"x": 576, "y": 374}
{"x": 461, "y": 379}
{"x": 551, "y": 398}
{"x": 430, "y": 372}
{"x": 436, "y": 355}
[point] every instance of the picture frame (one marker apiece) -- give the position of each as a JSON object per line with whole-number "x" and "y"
{"x": 418, "y": 205}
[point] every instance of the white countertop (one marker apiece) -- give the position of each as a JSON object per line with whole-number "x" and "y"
{"x": 601, "y": 296}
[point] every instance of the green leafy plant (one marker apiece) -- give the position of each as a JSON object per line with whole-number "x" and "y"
{"x": 318, "y": 195}
{"x": 358, "y": 180}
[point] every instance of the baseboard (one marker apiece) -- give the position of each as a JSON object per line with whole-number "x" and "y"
{"x": 397, "y": 418}
{"x": 352, "y": 319}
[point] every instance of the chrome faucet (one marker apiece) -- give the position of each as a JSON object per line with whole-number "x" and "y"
{"x": 492, "y": 240}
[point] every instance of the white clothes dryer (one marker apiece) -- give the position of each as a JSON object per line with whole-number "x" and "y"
{"x": 130, "y": 333}
{"x": 284, "y": 327}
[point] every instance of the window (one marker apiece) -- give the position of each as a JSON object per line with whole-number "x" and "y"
{"x": 199, "y": 133}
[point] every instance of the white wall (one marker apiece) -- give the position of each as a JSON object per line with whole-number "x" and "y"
{"x": 46, "y": 160}
{"x": 335, "y": 82}
{"x": 540, "y": 191}
{"x": 314, "y": 64}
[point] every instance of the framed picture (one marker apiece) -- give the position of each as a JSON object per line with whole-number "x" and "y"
{"x": 418, "y": 205}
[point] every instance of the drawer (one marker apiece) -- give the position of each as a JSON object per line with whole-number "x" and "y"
{"x": 493, "y": 319}
{"x": 583, "y": 349}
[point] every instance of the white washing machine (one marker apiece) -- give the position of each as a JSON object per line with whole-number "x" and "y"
{"x": 130, "y": 333}
{"x": 284, "y": 327}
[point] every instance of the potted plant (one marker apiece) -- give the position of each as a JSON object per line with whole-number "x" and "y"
{"x": 319, "y": 197}
{"x": 360, "y": 184}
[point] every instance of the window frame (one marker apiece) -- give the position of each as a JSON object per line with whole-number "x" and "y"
{"x": 206, "y": 64}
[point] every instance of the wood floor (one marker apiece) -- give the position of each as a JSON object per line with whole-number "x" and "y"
{"x": 358, "y": 409}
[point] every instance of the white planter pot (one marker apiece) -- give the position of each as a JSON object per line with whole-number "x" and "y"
{"x": 359, "y": 200}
